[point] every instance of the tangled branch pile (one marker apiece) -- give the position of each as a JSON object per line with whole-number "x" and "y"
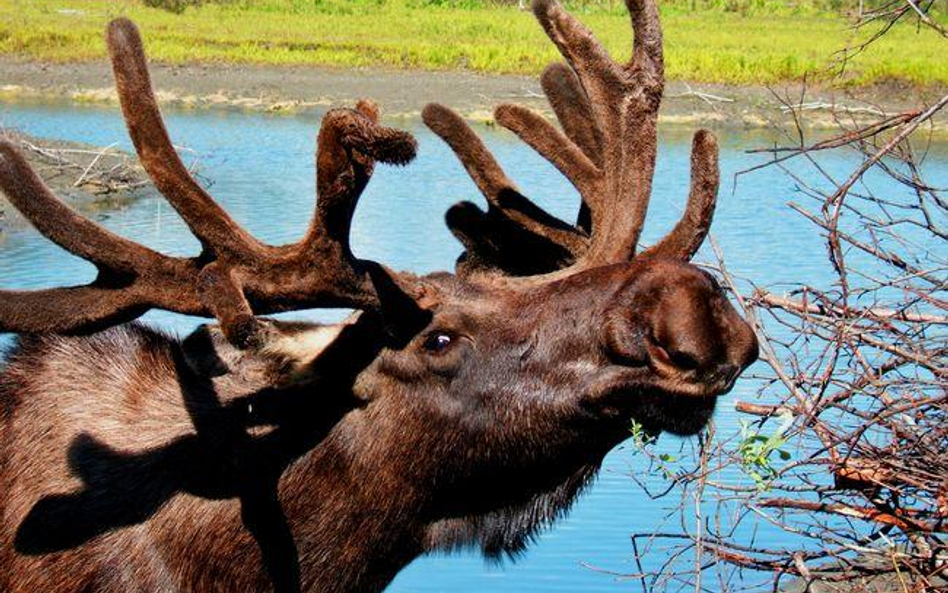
{"x": 862, "y": 368}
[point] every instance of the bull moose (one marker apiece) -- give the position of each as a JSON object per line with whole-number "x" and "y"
{"x": 449, "y": 410}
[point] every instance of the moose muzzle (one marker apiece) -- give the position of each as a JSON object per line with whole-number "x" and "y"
{"x": 674, "y": 328}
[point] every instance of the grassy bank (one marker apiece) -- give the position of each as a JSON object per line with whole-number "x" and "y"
{"x": 705, "y": 44}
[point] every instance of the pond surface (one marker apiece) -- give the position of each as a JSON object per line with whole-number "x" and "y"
{"x": 260, "y": 168}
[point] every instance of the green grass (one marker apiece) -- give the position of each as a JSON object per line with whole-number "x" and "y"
{"x": 755, "y": 43}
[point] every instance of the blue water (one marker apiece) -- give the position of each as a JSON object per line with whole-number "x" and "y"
{"x": 261, "y": 170}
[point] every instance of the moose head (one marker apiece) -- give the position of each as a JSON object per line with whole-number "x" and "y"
{"x": 523, "y": 368}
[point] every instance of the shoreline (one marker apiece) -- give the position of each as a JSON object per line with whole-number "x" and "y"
{"x": 402, "y": 94}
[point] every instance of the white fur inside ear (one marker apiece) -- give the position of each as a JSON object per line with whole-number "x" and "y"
{"x": 304, "y": 347}
{"x": 301, "y": 348}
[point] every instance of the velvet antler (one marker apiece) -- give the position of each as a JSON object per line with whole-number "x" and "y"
{"x": 235, "y": 276}
{"x": 606, "y": 149}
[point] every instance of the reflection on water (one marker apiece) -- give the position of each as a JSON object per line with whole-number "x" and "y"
{"x": 261, "y": 170}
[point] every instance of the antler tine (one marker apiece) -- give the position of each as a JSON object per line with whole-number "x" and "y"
{"x": 60, "y": 223}
{"x": 574, "y": 112}
{"x": 76, "y": 309}
{"x": 350, "y": 141}
{"x": 688, "y": 235}
{"x": 493, "y": 242}
{"x": 647, "y": 46}
{"x": 573, "y": 109}
{"x": 508, "y": 209}
{"x": 554, "y": 145}
{"x": 131, "y": 278}
{"x": 218, "y": 233}
{"x": 599, "y": 75}
{"x": 624, "y": 104}
{"x": 477, "y": 160}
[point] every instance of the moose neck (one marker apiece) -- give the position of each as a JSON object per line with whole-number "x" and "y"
{"x": 354, "y": 520}
{"x": 322, "y": 483}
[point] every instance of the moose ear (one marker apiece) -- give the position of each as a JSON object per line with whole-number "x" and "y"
{"x": 405, "y": 309}
{"x": 289, "y": 353}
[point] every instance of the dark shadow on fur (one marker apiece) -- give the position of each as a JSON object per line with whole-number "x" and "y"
{"x": 221, "y": 460}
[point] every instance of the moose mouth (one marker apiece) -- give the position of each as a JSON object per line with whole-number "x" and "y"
{"x": 659, "y": 398}
{"x": 679, "y": 400}
{"x": 681, "y": 415}
{"x": 677, "y": 410}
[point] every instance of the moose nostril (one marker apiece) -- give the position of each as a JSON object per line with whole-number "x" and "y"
{"x": 683, "y": 360}
{"x": 673, "y": 355}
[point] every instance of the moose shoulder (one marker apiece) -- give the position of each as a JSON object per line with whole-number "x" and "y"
{"x": 263, "y": 455}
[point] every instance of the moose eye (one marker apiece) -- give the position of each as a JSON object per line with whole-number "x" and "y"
{"x": 438, "y": 342}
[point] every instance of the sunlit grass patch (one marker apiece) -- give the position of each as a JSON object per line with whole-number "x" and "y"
{"x": 707, "y": 45}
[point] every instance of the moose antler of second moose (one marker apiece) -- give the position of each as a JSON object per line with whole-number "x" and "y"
{"x": 451, "y": 410}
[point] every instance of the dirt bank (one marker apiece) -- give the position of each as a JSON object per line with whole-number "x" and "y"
{"x": 403, "y": 93}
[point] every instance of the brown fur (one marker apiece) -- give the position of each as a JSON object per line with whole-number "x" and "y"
{"x": 165, "y": 471}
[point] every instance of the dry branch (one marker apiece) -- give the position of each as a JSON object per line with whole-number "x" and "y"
{"x": 763, "y": 297}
